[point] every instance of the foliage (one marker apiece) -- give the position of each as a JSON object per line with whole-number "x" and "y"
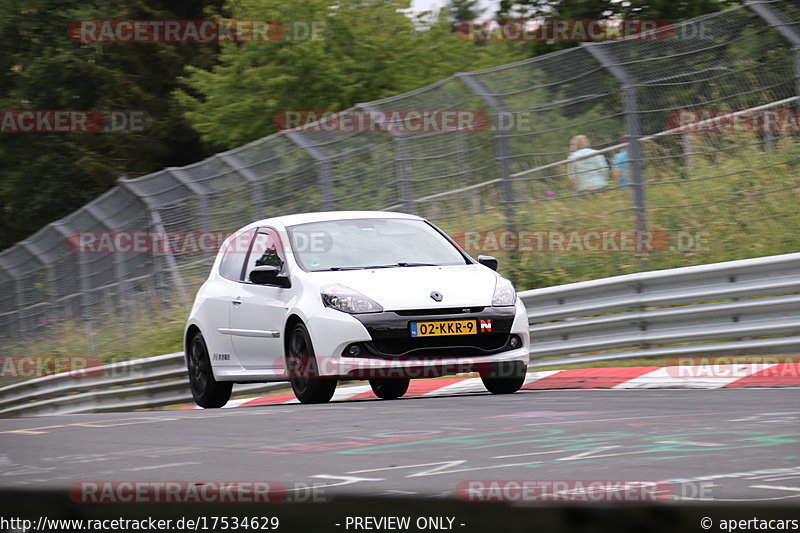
{"x": 604, "y": 9}
{"x": 365, "y": 51}
{"x": 47, "y": 175}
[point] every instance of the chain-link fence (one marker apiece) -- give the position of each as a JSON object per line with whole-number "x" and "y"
{"x": 707, "y": 192}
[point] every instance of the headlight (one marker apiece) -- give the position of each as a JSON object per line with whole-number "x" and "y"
{"x": 504, "y": 293}
{"x": 348, "y": 300}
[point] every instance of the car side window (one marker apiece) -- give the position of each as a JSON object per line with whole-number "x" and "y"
{"x": 235, "y": 251}
{"x": 266, "y": 250}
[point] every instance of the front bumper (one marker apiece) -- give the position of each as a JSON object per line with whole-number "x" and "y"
{"x": 333, "y": 332}
{"x": 391, "y": 337}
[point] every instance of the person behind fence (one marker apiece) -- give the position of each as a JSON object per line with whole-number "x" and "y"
{"x": 588, "y": 173}
{"x": 620, "y": 170}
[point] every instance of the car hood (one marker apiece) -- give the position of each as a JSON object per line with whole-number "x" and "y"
{"x": 410, "y": 287}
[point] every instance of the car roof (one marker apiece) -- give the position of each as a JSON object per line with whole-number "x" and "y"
{"x": 303, "y": 218}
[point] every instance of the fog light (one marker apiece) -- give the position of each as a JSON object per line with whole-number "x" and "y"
{"x": 514, "y": 342}
{"x": 353, "y": 350}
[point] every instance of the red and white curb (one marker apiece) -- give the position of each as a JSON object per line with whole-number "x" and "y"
{"x": 634, "y": 377}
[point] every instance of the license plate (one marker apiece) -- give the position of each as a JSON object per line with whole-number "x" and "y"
{"x": 444, "y": 327}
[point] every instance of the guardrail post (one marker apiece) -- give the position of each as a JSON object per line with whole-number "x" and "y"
{"x": 630, "y": 110}
{"x": 323, "y": 168}
{"x": 500, "y": 112}
{"x": 256, "y": 196}
{"x": 158, "y": 227}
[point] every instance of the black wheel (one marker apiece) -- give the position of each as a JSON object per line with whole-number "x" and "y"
{"x": 505, "y": 378}
{"x": 389, "y": 389}
{"x": 207, "y": 391}
{"x": 308, "y": 387}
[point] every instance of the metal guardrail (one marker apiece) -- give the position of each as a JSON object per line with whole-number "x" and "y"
{"x": 750, "y": 306}
{"x": 737, "y": 307}
{"x": 137, "y": 384}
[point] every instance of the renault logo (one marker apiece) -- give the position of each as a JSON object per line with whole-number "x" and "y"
{"x": 437, "y": 296}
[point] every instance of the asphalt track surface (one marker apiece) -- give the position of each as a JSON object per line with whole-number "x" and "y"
{"x": 727, "y": 445}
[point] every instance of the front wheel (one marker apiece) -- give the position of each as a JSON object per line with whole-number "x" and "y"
{"x": 308, "y": 387}
{"x": 505, "y": 378}
{"x": 206, "y": 391}
{"x": 389, "y": 389}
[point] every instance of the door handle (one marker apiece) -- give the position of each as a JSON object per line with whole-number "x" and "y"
{"x": 236, "y": 301}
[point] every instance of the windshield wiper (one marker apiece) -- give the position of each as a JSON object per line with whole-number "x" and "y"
{"x": 361, "y": 267}
{"x": 398, "y": 264}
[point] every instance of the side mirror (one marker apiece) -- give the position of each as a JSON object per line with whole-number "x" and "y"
{"x": 489, "y": 261}
{"x": 269, "y": 275}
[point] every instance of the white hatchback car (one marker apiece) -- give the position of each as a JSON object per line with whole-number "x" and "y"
{"x": 319, "y": 297}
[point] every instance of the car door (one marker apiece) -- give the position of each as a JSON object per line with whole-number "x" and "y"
{"x": 217, "y": 297}
{"x": 258, "y": 312}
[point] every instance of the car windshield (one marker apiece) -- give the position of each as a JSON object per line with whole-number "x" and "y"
{"x": 370, "y": 243}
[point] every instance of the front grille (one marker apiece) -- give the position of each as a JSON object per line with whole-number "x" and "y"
{"x": 481, "y": 344}
{"x": 436, "y": 312}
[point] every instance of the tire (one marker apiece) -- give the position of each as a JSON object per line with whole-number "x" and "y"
{"x": 505, "y": 378}
{"x": 207, "y": 391}
{"x": 308, "y": 387}
{"x": 389, "y": 389}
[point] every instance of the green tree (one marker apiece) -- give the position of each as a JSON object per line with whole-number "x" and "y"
{"x": 368, "y": 49}
{"x": 671, "y": 10}
{"x": 462, "y": 10}
{"x": 45, "y": 176}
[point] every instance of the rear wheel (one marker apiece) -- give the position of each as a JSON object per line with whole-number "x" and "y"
{"x": 206, "y": 391}
{"x": 308, "y": 387}
{"x": 505, "y": 378}
{"x": 389, "y": 389}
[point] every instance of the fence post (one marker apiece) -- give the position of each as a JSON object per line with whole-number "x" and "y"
{"x": 196, "y": 189}
{"x": 630, "y": 110}
{"x": 51, "y": 295}
{"x": 158, "y": 227}
{"x": 401, "y": 164}
{"x": 323, "y": 168}
{"x": 688, "y": 150}
{"x": 18, "y": 295}
{"x": 404, "y": 187}
{"x": 500, "y": 112}
{"x": 256, "y": 196}
{"x": 121, "y": 273}
{"x": 777, "y": 23}
{"x": 83, "y": 279}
